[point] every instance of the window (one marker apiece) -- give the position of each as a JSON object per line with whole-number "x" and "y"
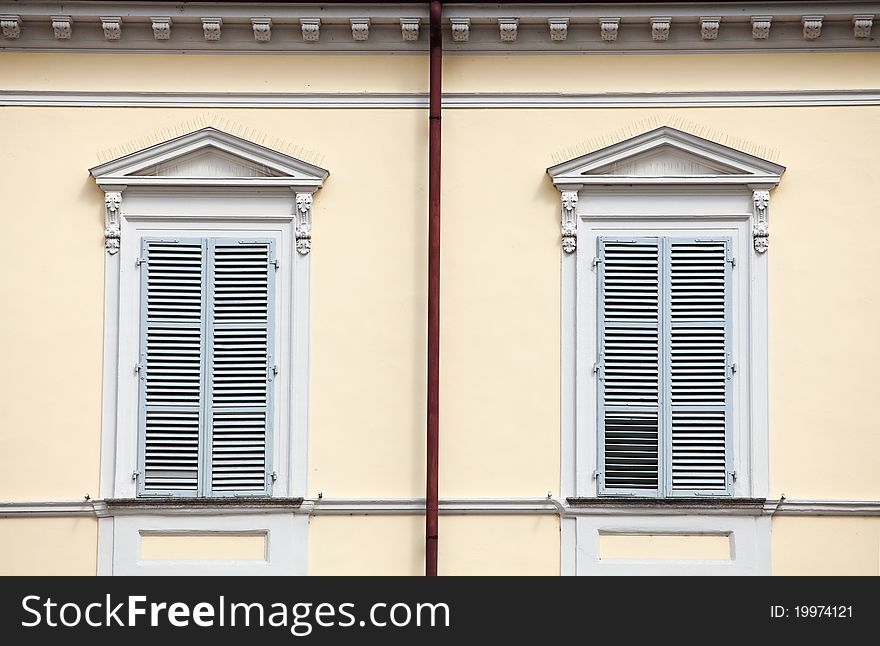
{"x": 206, "y": 350}
{"x": 206, "y": 366}
{"x": 664, "y": 365}
{"x": 664, "y": 349}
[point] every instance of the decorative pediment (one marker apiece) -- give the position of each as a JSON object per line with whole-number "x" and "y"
{"x": 209, "y": 157}
{"x": 666, "y": 156}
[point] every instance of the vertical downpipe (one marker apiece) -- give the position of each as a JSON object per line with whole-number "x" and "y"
{"x": 433, "y": 431}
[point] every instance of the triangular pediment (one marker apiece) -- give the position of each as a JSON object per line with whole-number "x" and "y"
{"x": 663, "y": 161}
{"x": 209, "y": 162}
{"x": 666, "y": 155}
{"x": 209, "y": 157}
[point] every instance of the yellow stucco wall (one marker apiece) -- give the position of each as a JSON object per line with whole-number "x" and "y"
{"x": 471, "y": 545}
{"x": 500, "y": 333}
{"x": 43, "y": 546}
{"x": 826, "y": 546}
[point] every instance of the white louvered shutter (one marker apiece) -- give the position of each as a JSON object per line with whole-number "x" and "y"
{"x": 206, "y": 367}
{"x": 664, "y": 366}
{"x": 170, "y": 366}
{"x": 699, "y": 368}
{"x": 241, "y": 361}
{"x": 629, "y": 366}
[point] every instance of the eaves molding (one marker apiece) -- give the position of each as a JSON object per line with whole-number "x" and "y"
{"x": 229, "y": 27}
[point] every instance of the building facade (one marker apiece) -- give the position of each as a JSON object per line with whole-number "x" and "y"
{"x": 655, "y": 357}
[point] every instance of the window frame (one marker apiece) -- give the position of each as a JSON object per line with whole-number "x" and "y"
{"x": 132, "y": 308}
{"x": 673, "y": 179}
{"x": 150, "y": 192}
{"x": 740, "y": 441}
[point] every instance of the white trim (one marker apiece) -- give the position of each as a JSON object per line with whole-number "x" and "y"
{"x": 456, "y": 506}
{"x": 285, "y": 536}
{"x": 451, "y": 100}
{"x": 749, "y": 545}
{"x": 289, "y": 171}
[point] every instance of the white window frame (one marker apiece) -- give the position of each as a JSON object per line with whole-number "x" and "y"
{"x": 203, "y": 184}
{"x": 663, "y": 182}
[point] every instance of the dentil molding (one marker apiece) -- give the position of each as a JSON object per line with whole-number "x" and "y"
{"x": 11, "y": 26}
{"x": 161, "y": 27}
{"x": 478, "y": 27}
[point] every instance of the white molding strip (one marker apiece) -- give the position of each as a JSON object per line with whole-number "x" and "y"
{"x": 451, "y": 506}
{"x": 15, "y": 509}
{"x": 455, "y": 100}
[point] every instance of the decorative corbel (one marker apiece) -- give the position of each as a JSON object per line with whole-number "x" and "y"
{"x": 608, "y": 27}
{"x": 62, "y": 26}
{"x": 311, "y": 29}
{"x": 112, "y": 205}
{"x": 303, "y": 223}
{"x": 812, "y": 27}
{"x": 508, "y": 28}
{"x": 569, "y": 221}
{"x": 709, "y": 26}
{"x": 409, "y": 28}
{"x": 558, "y": 28}
{"x": 112, "y": 26}
{"x": 761, "y": 27}
{"x": 12, "y": 26}
{"x": 862, "y": 24}
{"x": 212, "y": 28}
{"x": 761, "y": 229}
{"x": 360, "y": 28}
{"x": 660, "y": 28}
{"x": 461, "y": 29}
{"x": 262, "y": 29}
{"x": 161, "y": 27}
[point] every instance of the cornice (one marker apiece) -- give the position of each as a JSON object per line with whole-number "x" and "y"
{"x": 229, "y": 27}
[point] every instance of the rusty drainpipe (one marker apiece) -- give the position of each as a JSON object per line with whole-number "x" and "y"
{"x": 433, "y": 430}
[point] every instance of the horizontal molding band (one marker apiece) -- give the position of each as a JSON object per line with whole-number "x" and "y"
{"x": 451, "y": 506}
{"x": 229, "y": 27}
{"x": 454, "y": 100}
{"x": 477, "y": 11}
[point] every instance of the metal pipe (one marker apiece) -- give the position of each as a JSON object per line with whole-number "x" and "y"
{"x": 433, "y": 400}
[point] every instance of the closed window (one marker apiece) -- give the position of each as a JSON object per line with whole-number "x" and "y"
{"x": 206, "y": 366}
{"x": 664, "y": 365}
{"x": 208, "y": 241}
